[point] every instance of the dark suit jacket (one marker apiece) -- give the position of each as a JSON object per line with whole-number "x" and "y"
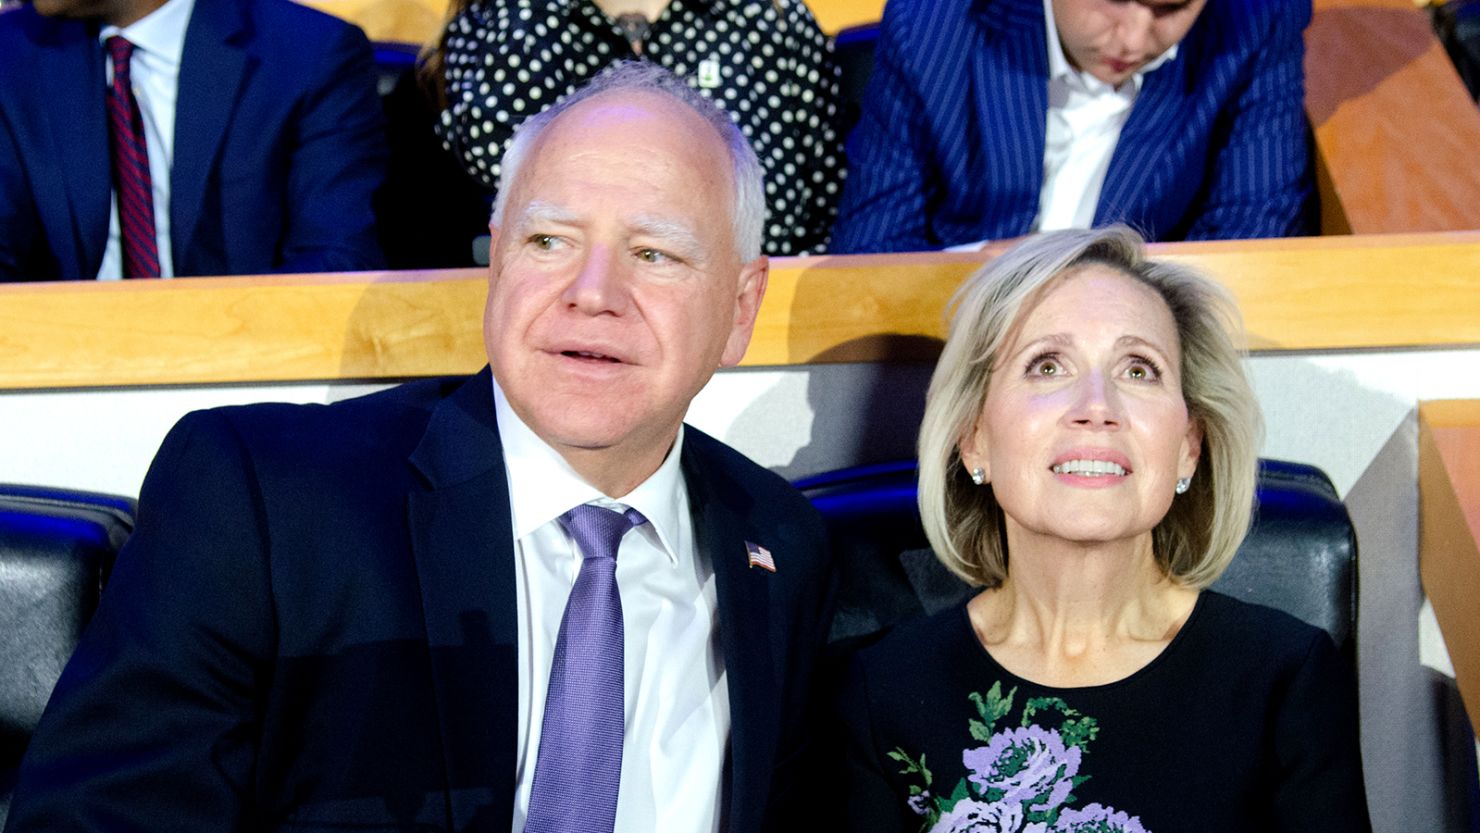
{"x": 950, "y": 146}
{"x": 313, "y": 628}
{"x": 279, "y": 145}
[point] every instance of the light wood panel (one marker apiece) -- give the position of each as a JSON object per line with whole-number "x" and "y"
{"x": 394, "y": 21}
{"x": 420, "y": 21}
{"x": 1308, "y": 294}
{"x": 1395, "y": 129}
{"x": 1449, "y": 534}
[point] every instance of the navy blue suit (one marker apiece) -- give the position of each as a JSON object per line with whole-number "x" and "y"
{"x": 950, "y": 145}
{"x": 279, "y": 145}
{"x": 313, "y": 627}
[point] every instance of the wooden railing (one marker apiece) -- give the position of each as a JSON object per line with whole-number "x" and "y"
{"x": 419, "y": 21}
{"x": 1396, "y": 132}
{"x": 1449, "y": 533}
{"x": 1300, "y": 294}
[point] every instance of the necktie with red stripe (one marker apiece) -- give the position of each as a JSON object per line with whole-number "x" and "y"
{"x": 131, "y": 181}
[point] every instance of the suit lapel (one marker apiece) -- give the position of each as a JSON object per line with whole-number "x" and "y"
{"x": 462, "y": 542}
{"x": 213, "y": 67}
{"x": 76, "y": 122}
{"x": 1140, "y": 163}
{"x": 1010, "y": 99}
{"x": 744, "y": 619}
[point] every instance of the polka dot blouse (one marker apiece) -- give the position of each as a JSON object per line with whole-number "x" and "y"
{"x": 764, "y": 61}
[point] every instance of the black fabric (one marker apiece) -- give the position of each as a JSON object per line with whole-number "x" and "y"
{"x": 1245, "y": 723}
{"x": 1299, "y": 556}
{"x": 429, "y": 211}
{"x": 56, "y": 548}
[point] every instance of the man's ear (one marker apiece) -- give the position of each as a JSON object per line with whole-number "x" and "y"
{"x": 751, "y": 289}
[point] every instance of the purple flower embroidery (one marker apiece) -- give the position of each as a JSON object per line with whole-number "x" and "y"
{"x": 1098, "y": 819}
{"x": 920, "y": 802}
{"x": 1029, "y": 764}
{"x": 972, "y": 816}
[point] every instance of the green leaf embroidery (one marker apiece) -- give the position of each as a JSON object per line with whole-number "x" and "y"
{"x": 979, "y": 730}
{"x": 1077, "y": 728}
{"x": 992, "y": 708}
{"x": 1080, "y": 732}
{"x": 911, "y": 766}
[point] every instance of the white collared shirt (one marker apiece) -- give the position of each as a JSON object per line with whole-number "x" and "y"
{"x": 676, "y": 702}
{"x": 1085, "y": 117}
{"x": 159, "y": 41}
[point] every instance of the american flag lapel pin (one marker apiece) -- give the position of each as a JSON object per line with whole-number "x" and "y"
{"x": 760, "y": 556}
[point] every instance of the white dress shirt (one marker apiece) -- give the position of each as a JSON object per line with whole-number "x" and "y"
{"x": 676, "y": 704}
{"x": 1085, "y": 117}
{"x": 159, "y": 40}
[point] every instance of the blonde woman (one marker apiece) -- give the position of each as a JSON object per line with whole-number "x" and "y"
{"x": 1088, "y": 459}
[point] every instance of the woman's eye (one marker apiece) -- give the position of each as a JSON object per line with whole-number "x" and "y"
{"x": 1143, "y": 369}
{"x": 1046, "y": 366}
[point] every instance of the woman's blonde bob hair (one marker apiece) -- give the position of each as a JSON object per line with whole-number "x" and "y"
{"x": 1199, "y": 535}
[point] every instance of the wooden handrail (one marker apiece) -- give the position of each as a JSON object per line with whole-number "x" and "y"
{"x": 1395, "y": 129}
{"x": 1449, "y": 533}
{"x": 1302, "y": 294}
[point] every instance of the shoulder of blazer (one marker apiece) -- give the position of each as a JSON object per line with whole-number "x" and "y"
{"x": 380, "y": 428}
{"x": 26, "y": 36}
{"x": 761, "y": 497}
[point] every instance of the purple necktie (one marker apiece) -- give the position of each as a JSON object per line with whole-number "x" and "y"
{"x": 131, "y": 181}
{"x": 580, "y": 762}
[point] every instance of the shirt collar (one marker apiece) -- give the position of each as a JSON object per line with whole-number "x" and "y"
{"x": 160, "y": 33}
{"x": 1059, "y": 68}
{"x": 543, "y": 486}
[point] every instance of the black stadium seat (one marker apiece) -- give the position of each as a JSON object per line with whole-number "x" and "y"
{"x": 56, "y": 549}
{"x": 1299, "y": 557}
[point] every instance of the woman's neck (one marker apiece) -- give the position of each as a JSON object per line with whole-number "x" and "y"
{"x": 1072, "y": 615}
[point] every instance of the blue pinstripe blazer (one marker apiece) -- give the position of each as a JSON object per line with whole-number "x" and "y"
{"x": 950, "y": 145}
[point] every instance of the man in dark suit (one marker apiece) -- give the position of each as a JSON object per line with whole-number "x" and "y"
{"x": 989, "y": 119}
{"x": 353, "y": 616}
{"x": 264, "y": 139}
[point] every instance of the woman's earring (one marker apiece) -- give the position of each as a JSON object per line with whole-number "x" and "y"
{"x": 1183, "y": 485}
{"x": 979, "y": 476}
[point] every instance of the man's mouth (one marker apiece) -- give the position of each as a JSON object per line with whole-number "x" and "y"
{"x": 589, "y": 356}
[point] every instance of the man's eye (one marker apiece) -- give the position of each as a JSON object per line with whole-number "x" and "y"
{"x": 647, "y": 255}
{"x": 543, "y": 242}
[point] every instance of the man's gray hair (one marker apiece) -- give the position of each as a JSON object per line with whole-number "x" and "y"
{"x": 748, "y": 211}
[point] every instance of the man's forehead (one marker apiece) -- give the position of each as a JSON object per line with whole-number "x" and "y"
{"x": 629, "y": 105}
{"x": 671, "y": 227}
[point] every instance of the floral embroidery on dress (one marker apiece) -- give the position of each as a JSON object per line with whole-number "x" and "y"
{"x": 1022, "y": 780}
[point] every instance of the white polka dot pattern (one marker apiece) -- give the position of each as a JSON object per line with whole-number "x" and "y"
{"x": 764, "y": 61}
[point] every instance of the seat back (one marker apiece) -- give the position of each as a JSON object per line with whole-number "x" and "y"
{"x": 56, "y": 549}
{"x": 1299, "y": 556}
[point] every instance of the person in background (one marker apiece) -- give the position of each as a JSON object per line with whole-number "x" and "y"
{"x": 989, "y": 119}
{"x": 527, "y": 600}
{"x": 1087, "y": 458}
{"x": 764, "y": 61}
{"x": 165, "y": 138}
